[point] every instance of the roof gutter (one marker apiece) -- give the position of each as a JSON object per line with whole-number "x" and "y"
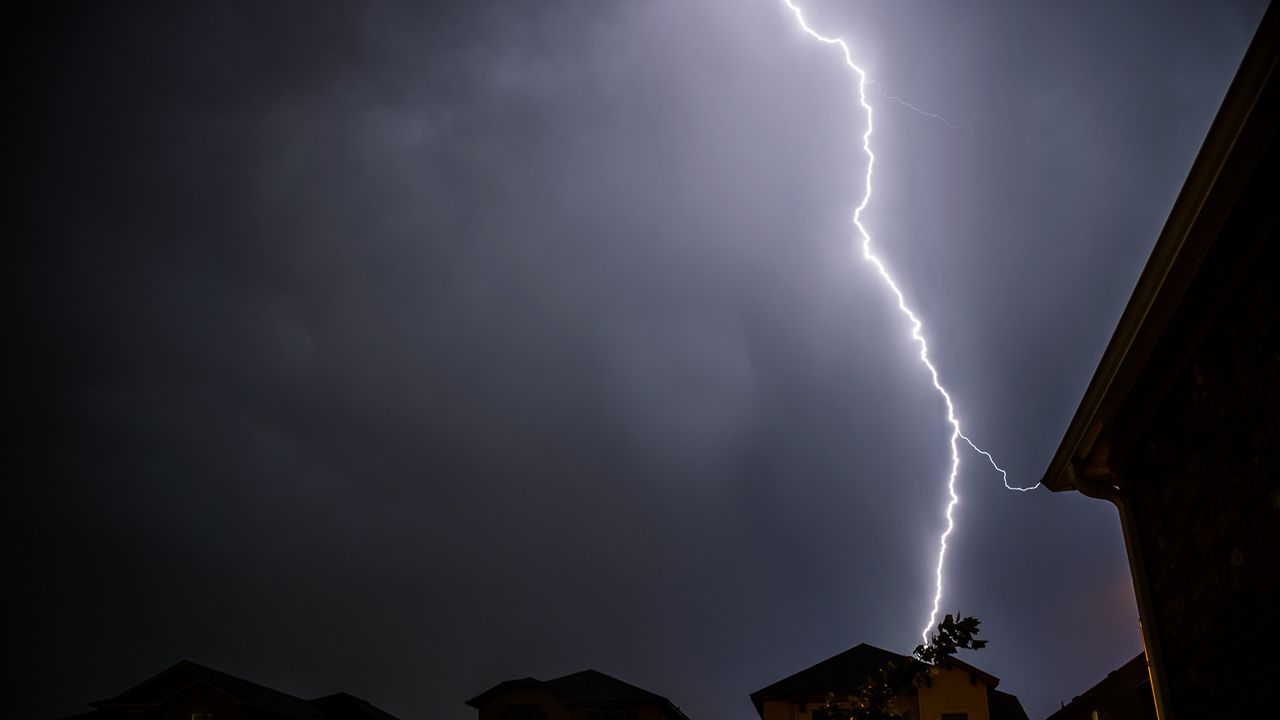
{"x": 1108, "y": 489}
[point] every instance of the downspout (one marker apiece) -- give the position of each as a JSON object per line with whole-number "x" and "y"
{"x": 1105, "y": 487}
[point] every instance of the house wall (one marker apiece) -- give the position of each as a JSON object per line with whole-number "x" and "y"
{"x": 649, "y": 713}
{"x": 200, "y": 698}
{"x": 780, "y": 710}
{"x": 494, "y": 707}
{"x": 952, "y": 690}
{"x": 1203, "y": 481}
{"x": 632, "y": 713}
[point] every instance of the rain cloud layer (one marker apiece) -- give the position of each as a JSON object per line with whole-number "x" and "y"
{"x": 405, "y": 349}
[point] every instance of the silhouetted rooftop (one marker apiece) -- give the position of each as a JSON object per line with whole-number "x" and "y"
{"x": 341, "y": 706}
{"x": 843, "y": 673}
{"x": 184, "y": 674}
{"x": 1127, "y": 689}
{"x": 585, "y": 688}
{"x": 155, "y": 691}
{"x": 1004, "y": 706}
{"x": 847, "y": 672}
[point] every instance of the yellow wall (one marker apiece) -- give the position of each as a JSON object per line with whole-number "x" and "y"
{"x": 952, "y": 690}
{"x": 777, "y": 710}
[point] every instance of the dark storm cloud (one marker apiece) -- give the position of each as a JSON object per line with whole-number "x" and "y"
{"x": 403, "y": 350}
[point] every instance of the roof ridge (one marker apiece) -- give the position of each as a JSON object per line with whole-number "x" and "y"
{"x": 607, "y": 676}
{"x": 244, "y": 690}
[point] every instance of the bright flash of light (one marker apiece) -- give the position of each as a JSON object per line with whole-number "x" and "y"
{"x": 912, "y": 320}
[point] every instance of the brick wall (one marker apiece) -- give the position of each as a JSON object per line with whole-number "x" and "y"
{"x": 1204, "y": 481}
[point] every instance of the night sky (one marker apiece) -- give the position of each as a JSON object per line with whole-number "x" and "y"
{"x": 404, "y": 349}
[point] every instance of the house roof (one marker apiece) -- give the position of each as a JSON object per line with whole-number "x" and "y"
{"x": 341, "y": 706}
{"x": 843, "y": 673}
{"x": 591, "y": 687}
{"x": 987, "y": 678}
{"x": 585, "y": 688}
{"x": 185, "y": 674}
{"x": 1126, "y": 691}
{"x": 1223, "y": 216}
{"x": 159, "y": 688}
{"x": 1003, "y": 706}
{"x": 847, "y": 672}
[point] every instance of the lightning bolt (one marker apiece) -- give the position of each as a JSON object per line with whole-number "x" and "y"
{"x": 912, "y": 319}
{"x": 955, "y": 126}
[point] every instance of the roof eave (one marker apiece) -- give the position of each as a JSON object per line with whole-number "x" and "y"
{"x": 1187, "y": 236}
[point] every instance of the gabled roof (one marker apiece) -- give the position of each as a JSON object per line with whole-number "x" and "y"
{"x": 525, "y": 683}
{"x": 341, "y": 706}
{"x": 987, "y": 678}
{"x": 843, "y": 673}
{"x": 586, "y": 688}
{"x": 186, "y": 674}
{"x": 847, "y": 672}
{"x": 591, "y": 687}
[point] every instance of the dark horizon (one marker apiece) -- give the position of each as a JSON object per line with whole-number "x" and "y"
{"x": 405, "y": 350}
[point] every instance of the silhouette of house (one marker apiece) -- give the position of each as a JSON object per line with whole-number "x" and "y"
{"x": 1179, "y": 425}
{"x": 1124, "y": 694}
{"x": 954, "y": 690}
{"x": 188, "y": 691}
{"x": 586, "y": 695}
